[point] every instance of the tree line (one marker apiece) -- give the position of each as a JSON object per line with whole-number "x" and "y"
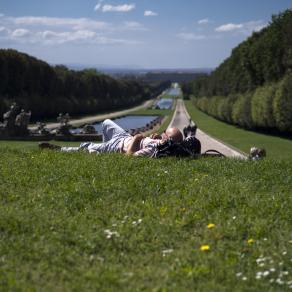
{"x": 48, "y": 90}
{"x": 253, "y": 87}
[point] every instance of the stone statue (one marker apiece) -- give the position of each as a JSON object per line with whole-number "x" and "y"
{"x": 9, "y": 117}
{"x": 64, "y": 128}
{"x": 41, "y": 129}
{"x": 22, "y": 121}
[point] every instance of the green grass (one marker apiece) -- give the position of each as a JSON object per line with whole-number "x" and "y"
{"x": 242, "y": 139}
{"x": 72, "y": 222}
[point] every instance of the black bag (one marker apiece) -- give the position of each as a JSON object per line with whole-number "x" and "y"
{"x": 190, "y": 147}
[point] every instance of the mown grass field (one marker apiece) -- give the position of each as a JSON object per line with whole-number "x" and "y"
{"x": 277, "y": 147}
{"x": 110, "y": 222}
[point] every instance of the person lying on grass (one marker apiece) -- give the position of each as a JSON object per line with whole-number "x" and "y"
{"x": 116, "y": 139}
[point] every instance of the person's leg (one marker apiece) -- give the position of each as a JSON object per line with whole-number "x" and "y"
{"x": 111, "y": 130}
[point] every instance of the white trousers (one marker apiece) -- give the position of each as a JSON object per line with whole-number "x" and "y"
{"x": 112, "y": 140}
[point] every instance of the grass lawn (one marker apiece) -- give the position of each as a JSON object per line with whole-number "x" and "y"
{"x": 74, "y": 221}
{"x": 242, "y": 139}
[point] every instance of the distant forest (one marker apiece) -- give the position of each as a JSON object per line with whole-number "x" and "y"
{"x": 48, "y": 90}
{"x": 253, "y": 87}
{"x": 171, "y": 76}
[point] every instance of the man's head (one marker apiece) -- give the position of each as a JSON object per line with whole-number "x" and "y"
{"x": 173, "y": 133}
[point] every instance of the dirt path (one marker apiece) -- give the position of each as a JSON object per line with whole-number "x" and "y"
{"x": 181, "y": 119}
{"x": 97, "y": 118}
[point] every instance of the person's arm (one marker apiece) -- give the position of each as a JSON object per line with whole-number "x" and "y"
{"x": 155, "y": 136}
{"x": 135, "y": 144}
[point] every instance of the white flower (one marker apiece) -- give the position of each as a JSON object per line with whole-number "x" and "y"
{"x": 167, "y": 251}
{"x": 266, "y": 273}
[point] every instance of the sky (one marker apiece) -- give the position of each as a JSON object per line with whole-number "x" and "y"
{"x": 133, "y": 33}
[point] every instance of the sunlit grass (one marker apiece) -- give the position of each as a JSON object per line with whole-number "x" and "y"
{"x": 110, "y": 222}
{"x": 276, "y": 147}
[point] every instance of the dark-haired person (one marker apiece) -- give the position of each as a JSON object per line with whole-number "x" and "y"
{"x": 116, "y": 139}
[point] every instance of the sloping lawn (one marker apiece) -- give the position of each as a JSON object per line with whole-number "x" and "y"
{"x": 277, "y": 147}
{"x": 109, "y": 222}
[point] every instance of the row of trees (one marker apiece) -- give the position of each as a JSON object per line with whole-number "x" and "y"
{"x": 264, "y": 57}
{"x": 48, "y": 90}
{"x": 251, "y": 88}
{"x": 269, "y": 107}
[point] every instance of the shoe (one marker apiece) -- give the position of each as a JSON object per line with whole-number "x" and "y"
{"x": 46, "y": 145}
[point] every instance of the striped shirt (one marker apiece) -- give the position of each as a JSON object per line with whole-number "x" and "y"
{"x": 147, "y": 146}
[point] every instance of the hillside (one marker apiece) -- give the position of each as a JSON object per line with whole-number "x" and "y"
{"x": 72, "y": 221}
{"x": 253, "y": 87}
{"x": 47, "y": 90}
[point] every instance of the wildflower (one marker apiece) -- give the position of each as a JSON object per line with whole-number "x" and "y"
{"x": 205, "y": 248}
{"x": 210, "y": 226}
{"x": 234, "y": 217}
{"x": 284, "y": 253}
{"x": 250, "y": 241}
{"x": 167, "y": 251}
{"x": 266, "y": 273}
{"x": 244, "y": 278}
{"x": 238, "y": 274}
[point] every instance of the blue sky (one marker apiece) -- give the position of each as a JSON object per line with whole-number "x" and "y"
{"x": 136, "y": 33}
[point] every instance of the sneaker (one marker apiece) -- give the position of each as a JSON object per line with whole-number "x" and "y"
{"x": 46, "y": 145}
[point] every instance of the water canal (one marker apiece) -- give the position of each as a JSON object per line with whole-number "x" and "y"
{"x": 127, "y": 123}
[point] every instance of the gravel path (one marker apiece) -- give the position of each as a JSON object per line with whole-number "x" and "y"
{"x": 97, "y": 118}
{"x": 181, "y": 119}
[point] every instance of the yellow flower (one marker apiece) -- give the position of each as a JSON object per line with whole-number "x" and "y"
{"x": 210, "y": 226}
{"x": 250, "y": 241}
{"x": 205, "y": 248}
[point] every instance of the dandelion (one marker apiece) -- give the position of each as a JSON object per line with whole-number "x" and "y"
{"x": 210, "y": 226}
{"x": 166, "y": 251}
{"x": 250, "y": 241}
{"x": 205, "y": 247}
{"x": 110, "y": 234}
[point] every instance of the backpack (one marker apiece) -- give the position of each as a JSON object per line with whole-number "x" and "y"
{"x": 189, "y": 147}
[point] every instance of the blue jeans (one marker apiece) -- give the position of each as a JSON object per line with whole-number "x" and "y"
{"x": 112, "y": 137}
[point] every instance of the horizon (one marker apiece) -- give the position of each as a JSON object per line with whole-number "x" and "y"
{"x": 134, "y": 35}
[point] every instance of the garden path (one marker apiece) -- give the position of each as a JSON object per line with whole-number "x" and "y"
{"x": 181, "y": 119}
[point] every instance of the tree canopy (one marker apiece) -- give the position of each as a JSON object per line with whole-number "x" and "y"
{"x": 48, "y": 90}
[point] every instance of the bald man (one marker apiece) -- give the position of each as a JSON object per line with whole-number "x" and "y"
{"x": 116, "y": 139}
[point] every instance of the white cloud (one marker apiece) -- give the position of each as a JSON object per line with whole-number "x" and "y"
{"x": 188, "y": 36}
{"x": 150, "y": 13}
{"x": 74, "y": 23}
{"x": 114, "y": 8}
{"x": 244, "y": 28}
{"x": 132, "y": 25}
{"x": 204, "y": 21}
{"x": 228, "y": 27}
{"x": 55, "y": 31}
{"x": 20, "y": 32}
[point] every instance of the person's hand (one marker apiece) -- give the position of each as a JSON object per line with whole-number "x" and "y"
{"x": 135, "y": 144}
{"x": 155, "y": 136}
